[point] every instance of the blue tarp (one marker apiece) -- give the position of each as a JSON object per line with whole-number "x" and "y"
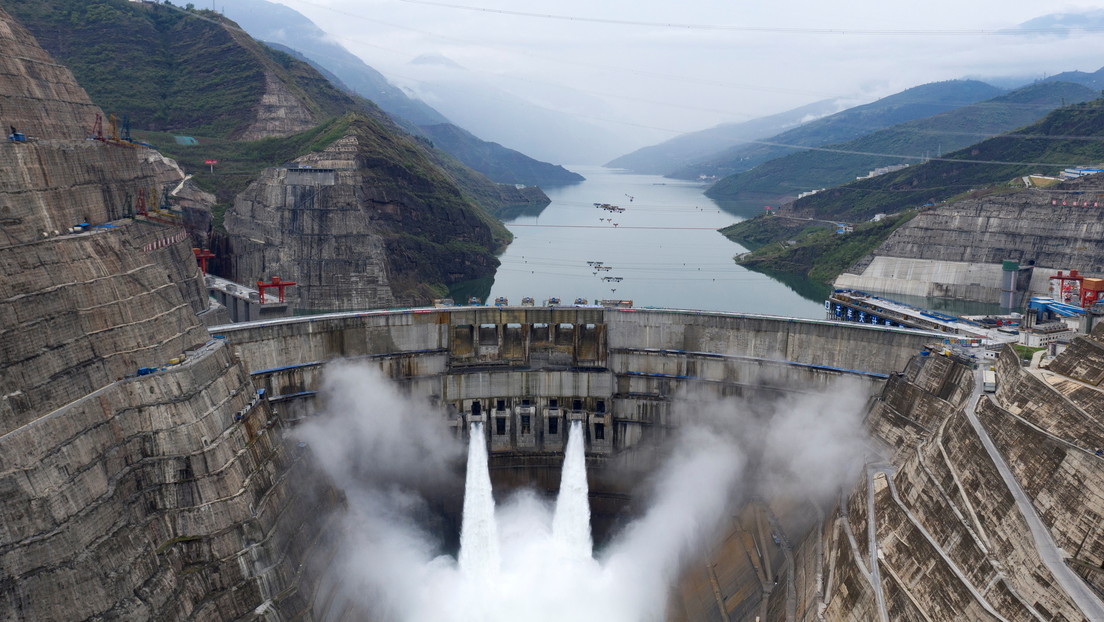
{"x": 1046, "y": 303}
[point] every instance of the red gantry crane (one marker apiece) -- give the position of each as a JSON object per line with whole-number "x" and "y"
{"x": 275, "y": 282}
{"x": 203, "y": 254}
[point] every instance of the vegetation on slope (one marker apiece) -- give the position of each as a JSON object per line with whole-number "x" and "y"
{"x": 181, "y": 71}
{"x": 495, "y": 161}
{"x": 915, "y": 103}
{"x": 948, "y": 131}
{"x": 187, "y": 73}
{"x": 1067, "y": 136}
{"x": 817, "y": 252}
{"x": 498, "y": 163}
{"x": 287, "y": 29}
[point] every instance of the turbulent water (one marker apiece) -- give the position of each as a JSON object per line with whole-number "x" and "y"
{"x": 571, "y": 521}
{"x": 528, "y": 557}
{"x": 526, "y": 560}
{"x": 479, "y": 557}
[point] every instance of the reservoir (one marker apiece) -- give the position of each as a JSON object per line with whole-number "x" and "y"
{"x": 663, "y": 250}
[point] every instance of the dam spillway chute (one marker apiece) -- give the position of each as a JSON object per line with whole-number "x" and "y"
{"x": 479, "y": 556}
{"x": 571, "y": 521}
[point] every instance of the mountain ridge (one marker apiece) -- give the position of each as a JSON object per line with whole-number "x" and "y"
{"x": 670, "y": 155}
{"x": 267, "y": 20}
{"x": 841, "y": 163}
{"x": 991, "y": 167}
{"x": 913, "y": 103}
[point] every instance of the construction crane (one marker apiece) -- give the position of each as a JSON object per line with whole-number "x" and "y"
{"x": 203, "y": 254}
{"x": 114, "y": 121}
{"x": 275, "y": 282}
{"x": 97, "y": 128}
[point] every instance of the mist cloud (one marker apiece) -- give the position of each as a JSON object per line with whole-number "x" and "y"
{"x": 377, "y": 444}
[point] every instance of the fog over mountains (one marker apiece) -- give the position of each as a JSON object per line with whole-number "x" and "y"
{"x": 489, "y": 71}
{"x": 444, "y": 92}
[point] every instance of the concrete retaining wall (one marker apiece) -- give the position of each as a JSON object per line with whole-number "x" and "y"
{"x": 926, "y": 277}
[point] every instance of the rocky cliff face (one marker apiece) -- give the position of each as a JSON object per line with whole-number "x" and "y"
{"x": 157, "y": 494}
{"x": 279, "y": 112}
{"x": 938, "y": 533}
{"x": 358, "y": 230}
{"x": 37, "y": 95}
{"x": 956, "y": 250}
{"x": 984, "y": 507}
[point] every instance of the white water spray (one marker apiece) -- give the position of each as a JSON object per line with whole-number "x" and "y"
{"x": 512, "y": 563}
{"x": 571, "y": 521}
{"x": 479, "y": 557}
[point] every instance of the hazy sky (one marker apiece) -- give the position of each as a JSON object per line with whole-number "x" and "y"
{"x": 668, "y": 67}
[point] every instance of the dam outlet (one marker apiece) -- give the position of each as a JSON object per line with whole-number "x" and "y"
{"x": 605, "y": 448}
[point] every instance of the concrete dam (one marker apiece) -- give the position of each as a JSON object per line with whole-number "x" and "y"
{"x": 528, "y": 375}
{"x": 617, "y": 367}
{"x": 529, "y": 372}
{"x": 157, "y": 463}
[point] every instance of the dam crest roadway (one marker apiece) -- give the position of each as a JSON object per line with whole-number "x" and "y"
{"x": 526, "y": 367}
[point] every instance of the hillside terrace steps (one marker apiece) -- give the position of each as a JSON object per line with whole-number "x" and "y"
{"x": 1044, "y": 488}
{"x": 963, "y": 539}
{"x": 1084, "y": 361}
{"x": 1025, "y": 395}
{"x": 944, "y": 510}
{"x": 162, "y": 496}
{"x": 1088, "y": 399}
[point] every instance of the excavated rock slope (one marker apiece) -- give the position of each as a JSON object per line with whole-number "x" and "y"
{"x": 38, "y": 96}
{"x": 986, "y": 507}
{"x": 279, "y": 113}
{"x": 163, "y": 494}
{"x": 956, "y": 250}
{"x": 366, "y": 235}
{"x": 936, "y": 534}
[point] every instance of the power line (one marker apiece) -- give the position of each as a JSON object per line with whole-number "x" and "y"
{"x": 763, "y": 29}
{"x": 1008, "y": 135}
{"x": 909, "y": 157}
{"x": 614, "y": 227}
{"x": 604, "y": 67}
{"x": 589, "y": 64}
{"x": 226, "y": 24}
